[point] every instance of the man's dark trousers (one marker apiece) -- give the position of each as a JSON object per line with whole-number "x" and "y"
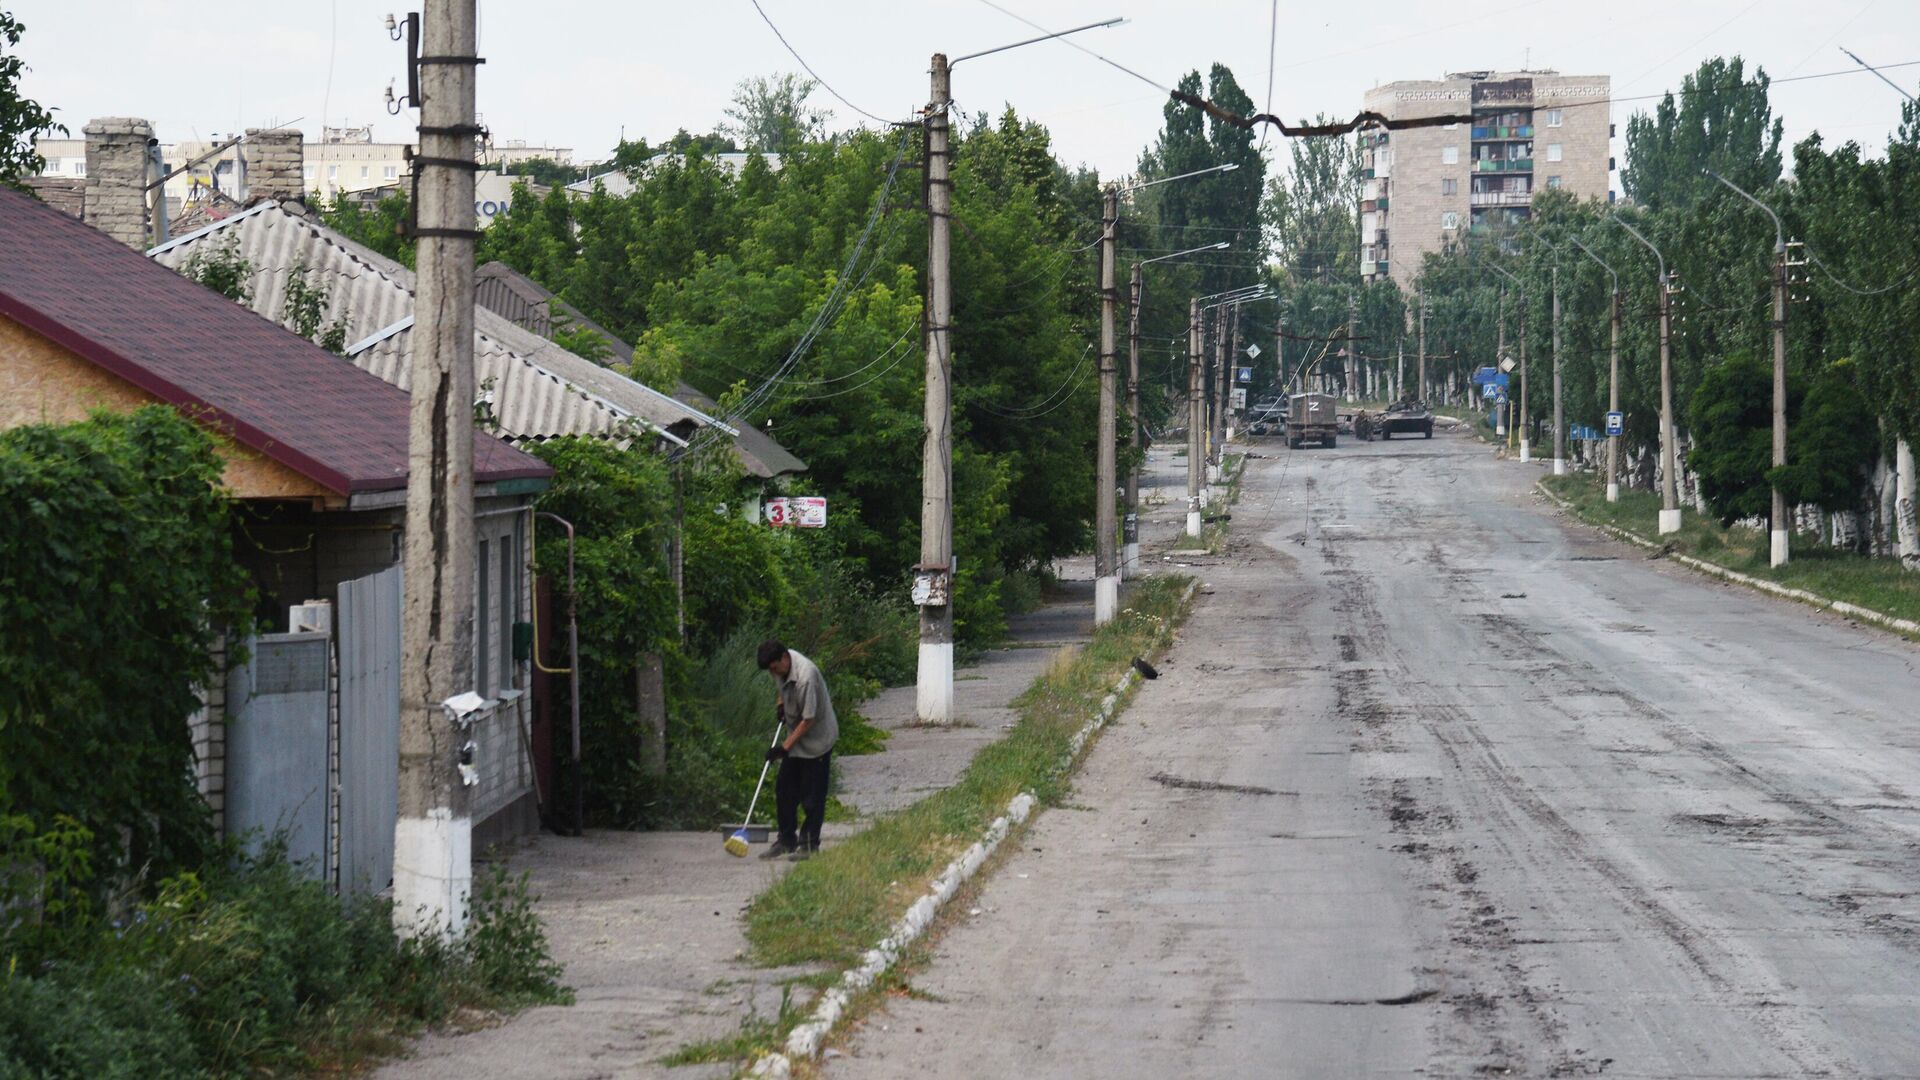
{"x": 802, "y": 784}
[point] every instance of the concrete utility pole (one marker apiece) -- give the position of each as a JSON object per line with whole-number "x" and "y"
{"x": 934, "y": 690}
{"x": 1779, "y": 526}
{"x": 1196, "y": 417}
{"x": 1231, "y": 371}
{"x": 1423, "y": 347}
{"x": 1613, "y": 369}
{"x": 1352, "y": 347}
{"x": 1670, "y": 457}
{"x": 1106, "y": 569}
{"x": 1130, "y": 525}
{"x": 1559, "y": 425}
{"x": 433, "y": 832}
{"x": 1613, "y": 394}
{"x": 1669, "y": 480}
{"x": 1500, "y": 353}
{"x": 1526, "y": 418}
{"x": 1130, "y": 560}
{"x": 1217, "y": 427}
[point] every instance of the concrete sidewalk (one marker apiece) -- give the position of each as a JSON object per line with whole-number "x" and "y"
{"x": 648, "y": 924}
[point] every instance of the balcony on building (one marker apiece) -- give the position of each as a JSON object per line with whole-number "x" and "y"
{"x": 1502, "y": 198}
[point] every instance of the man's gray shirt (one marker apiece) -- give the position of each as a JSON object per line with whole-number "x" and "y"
{"x": 804, "y": 695}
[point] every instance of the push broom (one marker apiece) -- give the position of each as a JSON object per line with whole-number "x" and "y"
{"x": 736, "y": 844}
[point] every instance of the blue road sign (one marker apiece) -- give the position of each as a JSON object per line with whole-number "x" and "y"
{"x": 1489, "y": 391}
{"x": 1487, "y": 376}
{"x": 1616, "y": 423}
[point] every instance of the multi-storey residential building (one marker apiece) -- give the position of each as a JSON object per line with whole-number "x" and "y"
{"x": 1520, "y": 133}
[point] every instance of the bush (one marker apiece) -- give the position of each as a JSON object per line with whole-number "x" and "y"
{"x": 258, "y": 967}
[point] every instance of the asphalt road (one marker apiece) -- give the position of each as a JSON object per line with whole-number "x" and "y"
{"x": 1438, "y": 783}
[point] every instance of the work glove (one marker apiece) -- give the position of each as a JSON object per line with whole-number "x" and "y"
{"x": 776, "y": 753}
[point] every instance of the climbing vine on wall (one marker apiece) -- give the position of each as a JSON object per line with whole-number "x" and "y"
{"x": 116, "y": 579}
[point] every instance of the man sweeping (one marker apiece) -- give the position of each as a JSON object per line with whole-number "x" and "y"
{"x": 804, "y": 754}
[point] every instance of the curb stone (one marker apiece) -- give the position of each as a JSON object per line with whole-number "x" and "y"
{"x": 1891, "y": 622}
{"x": 804, "y": 1041}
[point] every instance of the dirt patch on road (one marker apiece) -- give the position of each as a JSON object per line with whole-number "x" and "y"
{"x": 1213, "y": 785}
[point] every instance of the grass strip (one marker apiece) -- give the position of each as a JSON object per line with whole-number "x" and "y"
{"x": 832, "y": 908}
{"x": 1876, "y": 584}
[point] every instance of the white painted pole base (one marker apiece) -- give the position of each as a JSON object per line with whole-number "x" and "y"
{"x": 933, "y": 694}
{"x": 1106, "y": 599}
{"x": 1613, "y": 492}
{"x": 1130, "y": 560}
{"x": 1669, "y": 522}
{"x": 1526, "y": 452}
{"x": 1500, "y": 429}
{"x": 1193, "y": 523}
{"x": 1559, "y": 466}
{"x": 1213, "y": 474}
{"x": 1779, "y": 553}
{"x": 432, "y": 874}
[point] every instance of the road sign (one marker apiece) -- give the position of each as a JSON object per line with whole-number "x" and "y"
{"x": 1616, "y": 423}
{"x": 1243, "y": 374}
{"x": 1253, "y": 350}
{"x": 804, "y": 512}
{"x": 1239, "y": 397}
{"x": 1490, "y": 391}
{"x": 1506, "y": 363}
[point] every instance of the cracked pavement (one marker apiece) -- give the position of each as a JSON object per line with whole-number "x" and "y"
{"x": 1437, "y": 782}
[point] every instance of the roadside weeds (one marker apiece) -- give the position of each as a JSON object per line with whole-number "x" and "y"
{"x": 1877, "y": 591}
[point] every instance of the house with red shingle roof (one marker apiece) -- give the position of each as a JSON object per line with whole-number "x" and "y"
{"x": 315, "y": 453}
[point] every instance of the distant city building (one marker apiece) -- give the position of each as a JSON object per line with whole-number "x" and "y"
{"x": 345, "y": 160}
{"x": 1427, "y": 187}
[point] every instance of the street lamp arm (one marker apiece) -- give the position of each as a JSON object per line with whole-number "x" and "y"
{"x": 1035, "y": 40}
{"x": 1575, "y": 241}
{"x": 1779, "y": 233}
{"x": 1228, "y": 167}
{"x": 1221, "y": 246}
{"x": 1662, "y": 259}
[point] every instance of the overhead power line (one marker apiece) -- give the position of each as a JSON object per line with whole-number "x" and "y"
{"x": 802, "y": 61}
{"x": 1115, "y": 64}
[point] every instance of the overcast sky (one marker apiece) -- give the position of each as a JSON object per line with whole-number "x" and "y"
{"x": 574, "y": 73}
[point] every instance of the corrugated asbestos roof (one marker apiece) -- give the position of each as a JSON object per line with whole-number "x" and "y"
{"x": 265, "y": 387}
{"x": 526, "y": 303}
{"x": 539, "y": 390}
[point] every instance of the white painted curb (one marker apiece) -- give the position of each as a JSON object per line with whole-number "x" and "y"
{"x": 1905, "y": 626}
{"x": 805, "y": 1040}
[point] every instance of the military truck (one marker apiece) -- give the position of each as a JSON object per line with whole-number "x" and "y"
{"x": 1310, "y": 418}
{"x": 1406, "y": 417}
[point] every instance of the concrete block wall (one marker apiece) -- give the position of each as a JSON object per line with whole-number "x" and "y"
{"x": 115, "y": 198}
{"x": 275, "y": 161}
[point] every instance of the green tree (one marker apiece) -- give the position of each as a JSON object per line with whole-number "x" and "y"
{"x": 1731, "y": 420}
{"x": 21, "y": 119}
{"x": 1830, "y": 443}
{"x": 546, "y": 172}
{"x": 1313, "y": 211}
{"x": 1721, "y": 121}
{"x": 380, "y": 226}
{"x": 771, "y": 115}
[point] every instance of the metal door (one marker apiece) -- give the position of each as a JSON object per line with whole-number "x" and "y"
{"x": 369, "y": 628}
{"x": 277, "y": 746}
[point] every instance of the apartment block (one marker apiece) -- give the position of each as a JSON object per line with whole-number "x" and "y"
{"x": 1520, "y": 133}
